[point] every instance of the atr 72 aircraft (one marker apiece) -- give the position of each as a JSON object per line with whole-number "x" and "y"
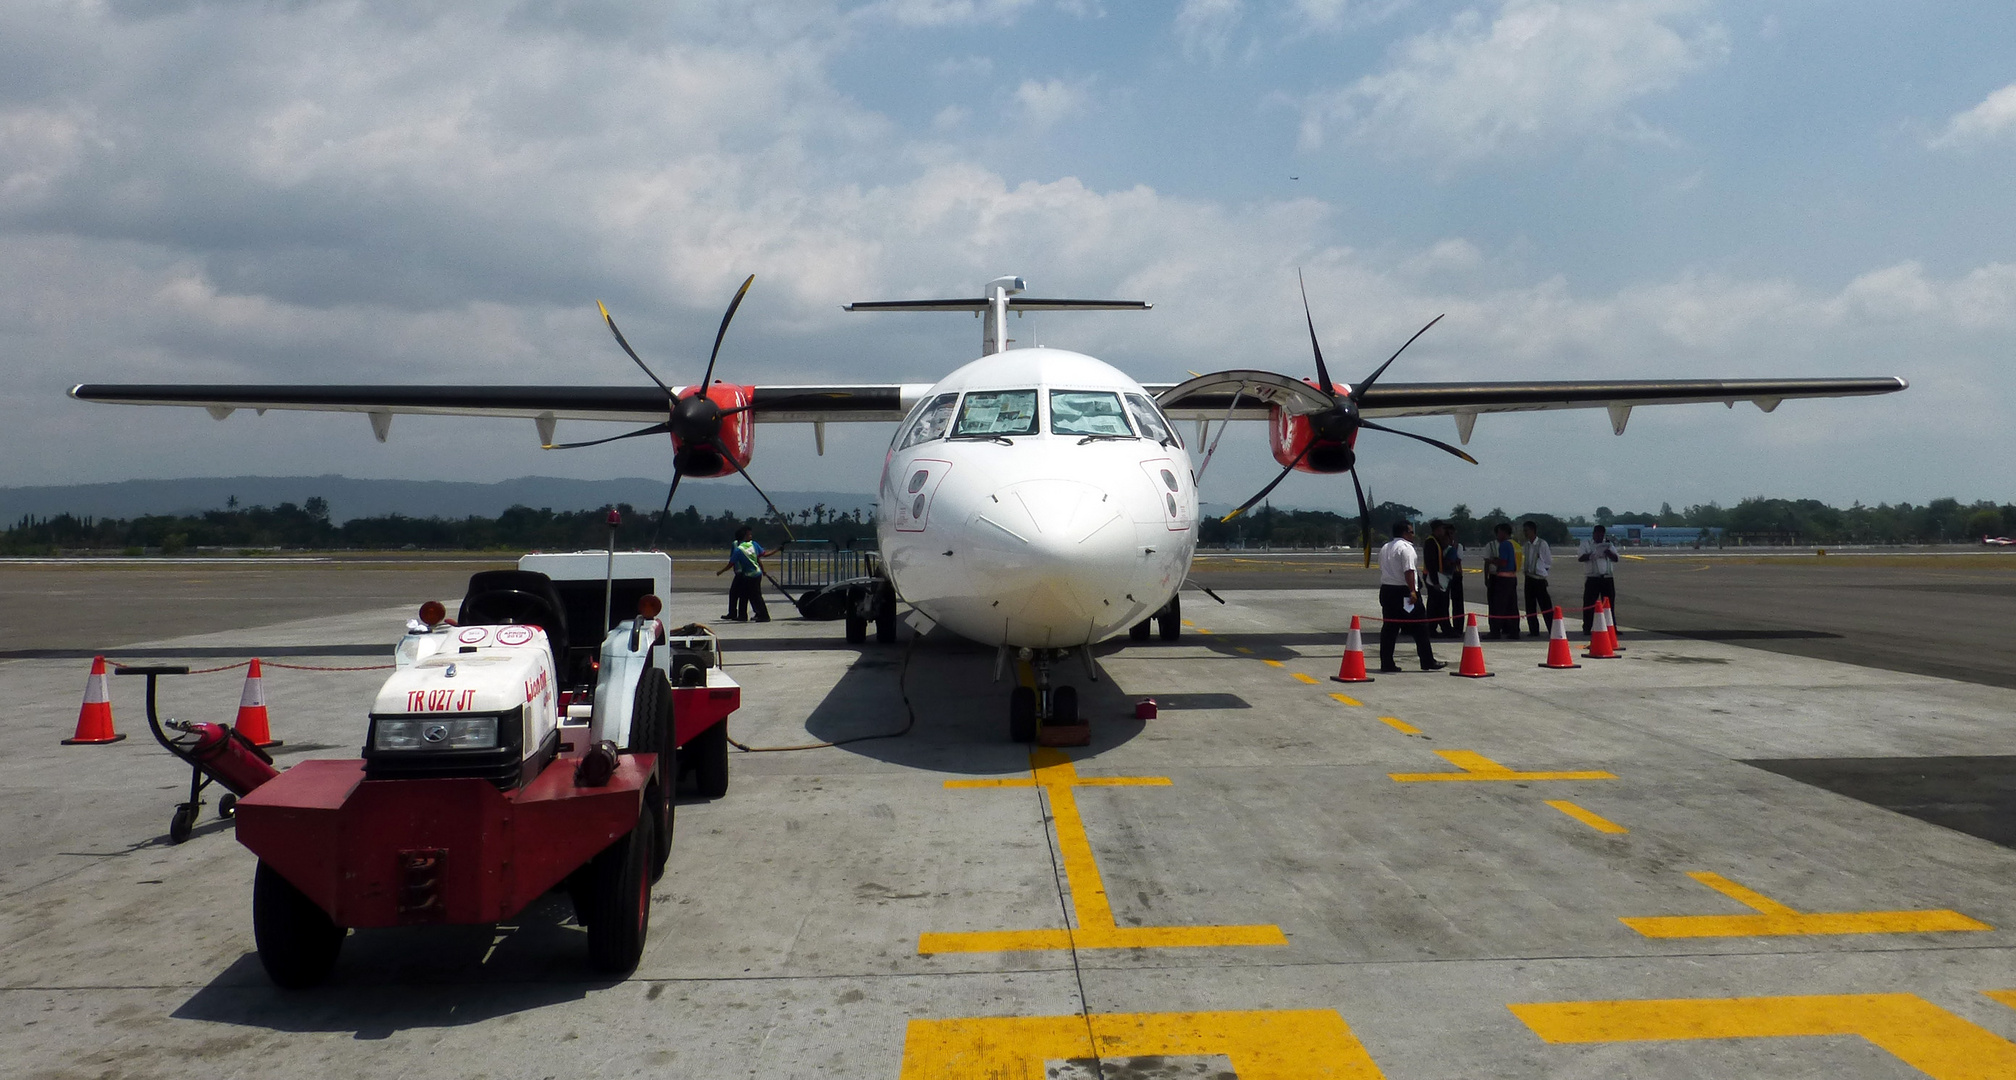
{"x": 1035, "y": 500}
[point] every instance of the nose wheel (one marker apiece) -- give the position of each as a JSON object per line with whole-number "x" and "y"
{"x": 1030, "y": 707}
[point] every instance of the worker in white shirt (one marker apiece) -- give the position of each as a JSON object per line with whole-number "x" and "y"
{"x": 1539, "y": 565}
{"x": 1599, "y": 560}
{"x": 1400, "y": 600}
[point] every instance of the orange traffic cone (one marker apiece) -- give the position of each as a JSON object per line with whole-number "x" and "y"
{"x": 1353, "y": 667}
{"x": 94, "y": 720}
{"x": 1559, "y": 653}
{"x": 1610, "y": 626}
{"x": 1599, "y": 636}
{"x": 1473, "y": 653}
{"x": 252, "y": 710}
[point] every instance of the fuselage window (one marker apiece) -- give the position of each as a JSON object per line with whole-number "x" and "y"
{"x": 1087, "y": 412}
{"x": 1151, "y": 421}
{"x": 994, "y": 413}
{"x": 931, "y": 421}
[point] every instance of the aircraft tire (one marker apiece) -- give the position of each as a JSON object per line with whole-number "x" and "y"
{"x": 297, "y": 940}
{"x": 1064, "y": 705}
{"x": 1022, "y": 715}
{"x": 857, "y": 630}
{"x": 1140, "y": 630}
{"x": 619, "y": 899}
{"x": 1170, "y": 621}
{"x": 885, "y": 618}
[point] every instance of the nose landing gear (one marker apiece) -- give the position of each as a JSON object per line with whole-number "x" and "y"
{"x": 1031, "y": 708}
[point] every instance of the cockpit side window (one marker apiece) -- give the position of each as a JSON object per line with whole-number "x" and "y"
{"x": 931, "y": 421}
{"x": 1088, "y": 412}
{"x": 1150, "y": 420}
{"x": 994, "y": 413}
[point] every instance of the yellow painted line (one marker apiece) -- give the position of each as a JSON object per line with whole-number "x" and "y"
{"x": 1593, "y": 820}
{"x": 1399, "y": 725}
{"x": 1476, "y": 766}
{"x": 1774, "y": 919}
{"x": 1917, "y": 1032}
{"x": 1052, "y": 770}
{"x": 1288, "y": 1044}
{"x": 1273, "y": 663}
{"x": 2006, "y": 997}
{"x": 1309, "y": 679}
{"x": 1346, "y": 699}
{"x": 1243, "y": 649}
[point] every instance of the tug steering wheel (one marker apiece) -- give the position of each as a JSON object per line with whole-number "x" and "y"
{"x": 511, "y": 606}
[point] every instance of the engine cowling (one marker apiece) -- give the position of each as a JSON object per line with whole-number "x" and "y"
{"x": 708, "y": 455}
{"x": 1328, "y": 452}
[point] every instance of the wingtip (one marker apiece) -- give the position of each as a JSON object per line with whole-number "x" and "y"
{"x": 1902, "y": 382}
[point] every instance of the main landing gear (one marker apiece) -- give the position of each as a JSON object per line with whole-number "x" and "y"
{"x": 1169, "y": 621}
{"x": 1030, "y": 707}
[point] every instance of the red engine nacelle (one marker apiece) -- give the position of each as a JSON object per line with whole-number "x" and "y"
{"x": 737, "y": 438}
{"x": 1289, "y": 434}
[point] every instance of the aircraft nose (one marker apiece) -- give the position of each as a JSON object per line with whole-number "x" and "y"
{"x": 1059, "y": 518}
{"x": 1065, "y": 552}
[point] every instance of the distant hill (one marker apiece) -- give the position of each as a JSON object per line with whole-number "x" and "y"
{"x": 350, "y": 498}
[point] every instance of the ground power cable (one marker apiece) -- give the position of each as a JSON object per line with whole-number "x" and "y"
{"x": 909, "y": 710}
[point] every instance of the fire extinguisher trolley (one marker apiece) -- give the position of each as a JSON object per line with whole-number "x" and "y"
{"x": 506, "y": 758}
{"x": 215, "y": 754}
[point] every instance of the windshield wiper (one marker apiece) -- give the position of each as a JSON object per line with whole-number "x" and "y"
{"x": 989, "y": 437}
{"x": 1097, "y": 438}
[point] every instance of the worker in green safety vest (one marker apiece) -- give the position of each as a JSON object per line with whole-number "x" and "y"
{"x": 745, "y": 558}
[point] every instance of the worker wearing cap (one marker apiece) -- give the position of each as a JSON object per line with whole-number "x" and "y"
{"x": 1539, "y": 565}
{"x": 1400, "y": 600}
{"x": 1599, "y": 558}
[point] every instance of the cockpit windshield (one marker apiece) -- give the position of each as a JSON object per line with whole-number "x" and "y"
{"x": 1151, "y": 421}
{"x": 1088, "y": 412}
{"x": 990, "y": 414}
{"x": 931, "y": 421}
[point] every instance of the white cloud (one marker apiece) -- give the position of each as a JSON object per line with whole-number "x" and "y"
{"x": 1204, "y": 27}
{"x": 1994, "y": 118}
{"x": 951, "y": 12}
{"x": 1539, "y": 71}
{"x": 1045, "y": 104}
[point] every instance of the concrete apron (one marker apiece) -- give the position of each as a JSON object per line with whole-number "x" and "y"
{"x": 1272, "y": 877}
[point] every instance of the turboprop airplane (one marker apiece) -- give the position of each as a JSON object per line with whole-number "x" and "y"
{"x": 1036, "y": 500}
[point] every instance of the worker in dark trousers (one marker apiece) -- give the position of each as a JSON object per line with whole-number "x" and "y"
{"x": 1452, "y": 577}
{"x": 1400, "y": 600}
{"x": 745, "y": 591}
{"x": 1539, "y": 565}
{"x": 1431, "y": 578}
{"x": 1599, "y": 558}
{"x": 1501, "y": 583}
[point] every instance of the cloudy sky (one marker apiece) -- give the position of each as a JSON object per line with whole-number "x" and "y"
{"x": 411, "y": 192}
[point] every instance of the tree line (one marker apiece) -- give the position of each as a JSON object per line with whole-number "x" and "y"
{"x": 522, "y": 528}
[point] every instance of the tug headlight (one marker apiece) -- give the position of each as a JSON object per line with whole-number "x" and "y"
{"x": 461, "y": 733}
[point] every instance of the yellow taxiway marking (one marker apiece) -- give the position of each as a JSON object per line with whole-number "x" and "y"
{"x": 1273, "y": 663}
{"x": 1476, "y": 766}
{"x": 1593, "y": 820}
{"x": 1919, "y": 1033}
{"x": 2006, "y": 997}
{"x": 1243, "y": 649}
{"x": 1271, "y": 1045}
{"x": 1052, "y": 771}
{"x": 1775, "y": 919}
{"x": 1346, "y": 699}
{"x": 1397, "y": 724}
{"x": 1299, "y": 677}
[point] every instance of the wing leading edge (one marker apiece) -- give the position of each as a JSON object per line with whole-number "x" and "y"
{"x": 1208, "y": 397}
{"x": 634, "y": 404}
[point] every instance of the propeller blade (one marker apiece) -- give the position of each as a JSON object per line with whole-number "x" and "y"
{"x": 1360, "y": 389}
{"x": 781, "y": 402}
{"x": 1364, "y": 514}
{"x": 1276, "y": 482}
{"x": 707, "y": 380}
{"x": 1322, "y": 373}
{"x": 781, "y": 519}
{"x": 1420, "y": 438}
{"x": 665, "y": 512}
{"x": 655, "y": 429}
{"x": 620, "y": 340}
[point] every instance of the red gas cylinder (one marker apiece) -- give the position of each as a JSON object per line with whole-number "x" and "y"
{"x": 1144, "y": 709}
{"x": 225, "y": 754}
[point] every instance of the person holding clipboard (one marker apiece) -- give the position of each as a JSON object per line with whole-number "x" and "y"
{"x": 1400, "y": 600}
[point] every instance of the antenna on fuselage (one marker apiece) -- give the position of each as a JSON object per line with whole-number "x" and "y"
{"x": 1002, "y": 296}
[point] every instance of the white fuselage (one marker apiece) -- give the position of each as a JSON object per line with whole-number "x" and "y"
{"x": 1067, "y": 527}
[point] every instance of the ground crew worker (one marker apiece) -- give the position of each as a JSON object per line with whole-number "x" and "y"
{"x": 1400, "y": 600}
{"x": 1431, "y": 578}
{"x": 1539, "y": 564}
{"x": 1599, "y": 561}
{"x": 745, "y": 591}
{"x": 1452, "y": 578}
{"x": 1501, "y": 583}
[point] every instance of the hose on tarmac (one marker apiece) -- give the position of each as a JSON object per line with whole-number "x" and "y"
{"x": 909, "y": 709}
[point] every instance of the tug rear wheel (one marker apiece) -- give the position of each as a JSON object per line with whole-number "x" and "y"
{"x": 619, "y": 900}
{"x": 297, "y": 941}
{"x": 709, "y": 751}
{"x": 1022, "y": 715}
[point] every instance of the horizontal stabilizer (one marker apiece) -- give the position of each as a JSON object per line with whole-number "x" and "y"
{"x": 1015, "y": 303}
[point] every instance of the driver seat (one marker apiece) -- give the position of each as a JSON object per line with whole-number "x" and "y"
{"x": 527, "y": 597}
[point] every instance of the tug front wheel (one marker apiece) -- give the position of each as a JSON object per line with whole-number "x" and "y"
{"x": 618, "y": 899}
{"x": 651, "y": 733}
{"x": 296, "y": 939}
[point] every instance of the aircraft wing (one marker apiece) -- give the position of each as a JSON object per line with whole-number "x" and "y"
{"x": 635, "y": 404}
{"x": 1208, "y": 397}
